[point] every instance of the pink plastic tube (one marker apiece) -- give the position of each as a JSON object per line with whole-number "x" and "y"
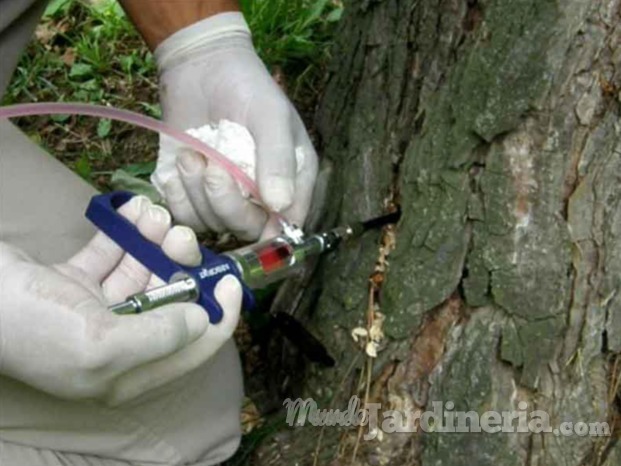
{"x": 126, "y": 116}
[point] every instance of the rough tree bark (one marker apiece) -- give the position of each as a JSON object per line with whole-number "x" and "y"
{"x": 495, "y": 125}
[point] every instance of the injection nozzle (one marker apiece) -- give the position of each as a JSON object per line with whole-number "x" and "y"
{"x": 181, "y": 291}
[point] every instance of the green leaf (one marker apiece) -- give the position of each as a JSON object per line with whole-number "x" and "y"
{"x": 80, "y": 70}
{"x": 118, "y": 10}
{"x": 103, "y": 127}
{"x": 89, "y": 85}
{"x": 140, "y": 169}
{"x": 80, "y": 95}
{"x": 102, "y": 5}
{"x": 83, "y": 167}
{"x": 315, "y": 12}
{"x": 60, "y": 117}
{"x": 55, "y": 6}
{"x": 153, "y": 110}
{"x": 335, "y": 15}
{"x": 123, "y": 181}
{"x": 127, "y": 61}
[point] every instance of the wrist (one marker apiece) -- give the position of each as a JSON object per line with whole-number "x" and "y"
{"x": 224, "y": 30}
{"x": 158, "y": 20}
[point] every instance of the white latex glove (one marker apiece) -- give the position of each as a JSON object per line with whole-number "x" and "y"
{"x": 210, "y": 72}
{"x": 57, "y": 335}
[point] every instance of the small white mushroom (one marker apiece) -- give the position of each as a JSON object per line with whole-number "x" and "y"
{"x": 371, "y": 349}
{"x": 359, "y": 332}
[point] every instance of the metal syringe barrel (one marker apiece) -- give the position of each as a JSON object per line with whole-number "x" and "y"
{"x": 183, "y": 290}
{"x": 259, "y": 264}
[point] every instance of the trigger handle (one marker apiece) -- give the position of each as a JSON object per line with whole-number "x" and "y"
{"x": 102, "y": 212}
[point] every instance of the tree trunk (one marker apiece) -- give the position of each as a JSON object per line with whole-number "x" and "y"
{"x": 494, "y": 124}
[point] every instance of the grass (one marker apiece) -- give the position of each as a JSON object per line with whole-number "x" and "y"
{"x": 89, "y": 52}
{"x": 293, "y": 37}
{"x": 286, "y": 31}
{"x": 86, "y": 53}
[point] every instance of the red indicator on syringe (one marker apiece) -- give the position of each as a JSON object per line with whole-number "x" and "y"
{"x": 274, "y": 256}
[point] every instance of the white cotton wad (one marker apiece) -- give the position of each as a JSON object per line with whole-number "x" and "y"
{"x": 231, "y": 139}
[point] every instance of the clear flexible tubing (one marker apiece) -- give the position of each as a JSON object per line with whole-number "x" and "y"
{"x": 13, "y": 111}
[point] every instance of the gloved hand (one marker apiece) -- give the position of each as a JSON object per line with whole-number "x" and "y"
{"x": 208, "y": 72}
{"x": 57, "y": 335}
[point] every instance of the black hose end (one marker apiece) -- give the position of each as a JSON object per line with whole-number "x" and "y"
{"x": 384, "y": 220}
